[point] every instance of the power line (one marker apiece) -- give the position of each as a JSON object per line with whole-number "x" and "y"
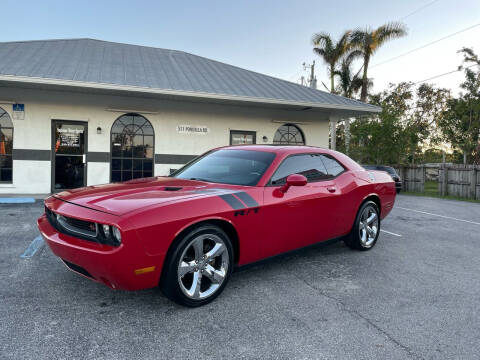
{"x": 447, "y": 73}
{"x": 424, "y": 46}
{"x": 295, "y": 75}
{"x": 419, "y": 9}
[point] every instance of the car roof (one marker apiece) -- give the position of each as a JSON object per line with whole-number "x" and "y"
{"x": 279, "y": 149}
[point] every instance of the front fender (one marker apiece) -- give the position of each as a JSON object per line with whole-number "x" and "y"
{"x": 158, "y": 227}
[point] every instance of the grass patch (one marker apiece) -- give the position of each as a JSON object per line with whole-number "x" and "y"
{"x": 431, "y": 190}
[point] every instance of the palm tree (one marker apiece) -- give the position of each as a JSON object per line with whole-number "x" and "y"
{"x": 368, "y": 41}
{"x": 331, "y": 52}
{"x": 349, "y": 83}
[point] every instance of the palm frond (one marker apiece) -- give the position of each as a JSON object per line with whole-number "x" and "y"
{"x": 320, "y": 51}
{"x": 323, "y": 40}
{"x": 389, "y": 31}
{"x": 352, "y": 55}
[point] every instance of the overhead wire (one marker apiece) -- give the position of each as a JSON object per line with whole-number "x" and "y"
{"x": 444, "y": 74}
{"x": 425, "y": 45}
{"x": 417, "y": 10}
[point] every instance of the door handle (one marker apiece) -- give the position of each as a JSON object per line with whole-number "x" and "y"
{"x": 84, "y": 158}
{"x": 331, "y": 189}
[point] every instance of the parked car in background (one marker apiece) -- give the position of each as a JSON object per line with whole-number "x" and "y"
{"x": 230, "y": 207}
{"x": 390, "y": 171}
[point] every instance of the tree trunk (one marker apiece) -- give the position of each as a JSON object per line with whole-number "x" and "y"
{"x": 332, "y": 79}
{"x": 347, "y": 135}
{"x": 363, "y": 94}
{"x": 464, "y": 157}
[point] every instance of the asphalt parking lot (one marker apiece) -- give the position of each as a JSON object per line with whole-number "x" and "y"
{"x": 415, "y": 295}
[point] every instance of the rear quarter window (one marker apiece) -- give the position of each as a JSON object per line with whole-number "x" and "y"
{"x": 334, "y": 168}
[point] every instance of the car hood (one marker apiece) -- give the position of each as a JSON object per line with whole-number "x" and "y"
{"x": 122, "y": 198}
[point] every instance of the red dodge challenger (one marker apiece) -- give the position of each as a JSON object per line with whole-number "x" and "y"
{"x": 229, "y": 207}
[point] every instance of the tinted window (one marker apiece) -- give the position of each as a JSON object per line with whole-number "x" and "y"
{"x": 308, "y": 165}
{"x": 333, "y": 166}
{"x": 132, "y": 148}
{"x": 289, "y": 134}
{"x": 6, "y": 145}
{"x": 239, "y": 137}
{"x": 239, "y": 167}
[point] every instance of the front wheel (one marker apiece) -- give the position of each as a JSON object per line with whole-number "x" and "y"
{"x": 366, "y": 228}
{"x": 198, "y": 267}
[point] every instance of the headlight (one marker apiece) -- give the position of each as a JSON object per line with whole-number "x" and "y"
{"x": 106, "y": 230}
{"x": 112, "y": 234}
{"x": 116, "y": 234}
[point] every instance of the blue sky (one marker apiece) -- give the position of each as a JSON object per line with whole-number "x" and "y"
{"x": 271, "y": 37}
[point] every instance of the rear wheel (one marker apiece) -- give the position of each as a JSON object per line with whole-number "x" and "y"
{"x": 366, "y": 228}
{"x": 198, "y": 267}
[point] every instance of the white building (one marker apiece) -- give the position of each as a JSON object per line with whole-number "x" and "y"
{"x": 83, "y": 112}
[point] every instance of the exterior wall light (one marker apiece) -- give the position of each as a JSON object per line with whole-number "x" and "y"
{"x": 265, "y": 139}
{"x": 99, "y": 130}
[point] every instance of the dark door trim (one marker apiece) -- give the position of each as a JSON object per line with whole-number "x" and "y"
{"x": 53, "y": 127}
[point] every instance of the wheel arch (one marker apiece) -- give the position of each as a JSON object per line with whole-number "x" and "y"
{"x": 372, "y": 197}
{"x": 223, "y": 224}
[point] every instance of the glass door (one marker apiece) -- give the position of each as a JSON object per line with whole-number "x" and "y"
{"x": 70, "y": 150}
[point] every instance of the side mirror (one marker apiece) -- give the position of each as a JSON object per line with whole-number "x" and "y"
{"x": 293, "y": 180}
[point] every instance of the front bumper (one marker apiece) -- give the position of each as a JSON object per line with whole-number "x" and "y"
{"x": 116, "y": 267}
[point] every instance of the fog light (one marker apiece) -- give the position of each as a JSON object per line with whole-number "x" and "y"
{"x": 116, "y": 234}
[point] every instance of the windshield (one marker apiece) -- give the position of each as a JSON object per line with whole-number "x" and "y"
{"x": 237, "y": 167}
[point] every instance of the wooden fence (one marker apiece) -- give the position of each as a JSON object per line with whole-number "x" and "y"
{"x": 456, "y": 180}
{"x": 413, "y": 177}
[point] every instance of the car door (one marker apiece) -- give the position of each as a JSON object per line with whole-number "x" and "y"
{"x": 300, "y": 216}
{"x": 341, "y": 203}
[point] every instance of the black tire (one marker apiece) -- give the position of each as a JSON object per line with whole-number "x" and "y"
{"x": 354, "y": 240}
{"x": 170, "y": 283}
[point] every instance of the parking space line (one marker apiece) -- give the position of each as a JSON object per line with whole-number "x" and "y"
{"x": 34, "y": 246}
{"x": 442, "y": 216}
{"x": 391, "y": 233}
{"x": 17, "y": 200}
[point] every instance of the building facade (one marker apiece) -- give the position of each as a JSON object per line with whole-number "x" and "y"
{"x": 58, "y": 133}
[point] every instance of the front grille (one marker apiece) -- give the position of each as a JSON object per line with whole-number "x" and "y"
{"x": 78, "y": 227}
{"x": 81, "y": 224}
{"x": 81, "y": 229}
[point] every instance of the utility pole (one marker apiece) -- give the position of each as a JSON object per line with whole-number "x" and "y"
{"x": 312, "y": 80}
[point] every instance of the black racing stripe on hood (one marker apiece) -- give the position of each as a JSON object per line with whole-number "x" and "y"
{"x": 247, "y": 199}
{"x": 232, "y": 201}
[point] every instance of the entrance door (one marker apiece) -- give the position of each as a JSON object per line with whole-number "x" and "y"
{"x": 69, "y": 146}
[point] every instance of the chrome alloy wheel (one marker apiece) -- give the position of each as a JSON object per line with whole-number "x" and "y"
{"x": 203, "y": 266}
{"x": 368, "y": 227}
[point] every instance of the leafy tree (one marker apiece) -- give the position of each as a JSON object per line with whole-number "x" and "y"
{"x": 331, "y": 52}
{"x": 368, "y": 41}
{"x": 460, "y": 125}
{"x": 404, "y": 128}
{"x": 381, "y": 139}
{"x": 422, "y": 126}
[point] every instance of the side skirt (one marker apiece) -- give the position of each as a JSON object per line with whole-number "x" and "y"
{"x": 289, "y": 253}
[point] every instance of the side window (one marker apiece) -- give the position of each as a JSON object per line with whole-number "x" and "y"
{"x": 333, "y": 166}
{"x": 308, "y": 165}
